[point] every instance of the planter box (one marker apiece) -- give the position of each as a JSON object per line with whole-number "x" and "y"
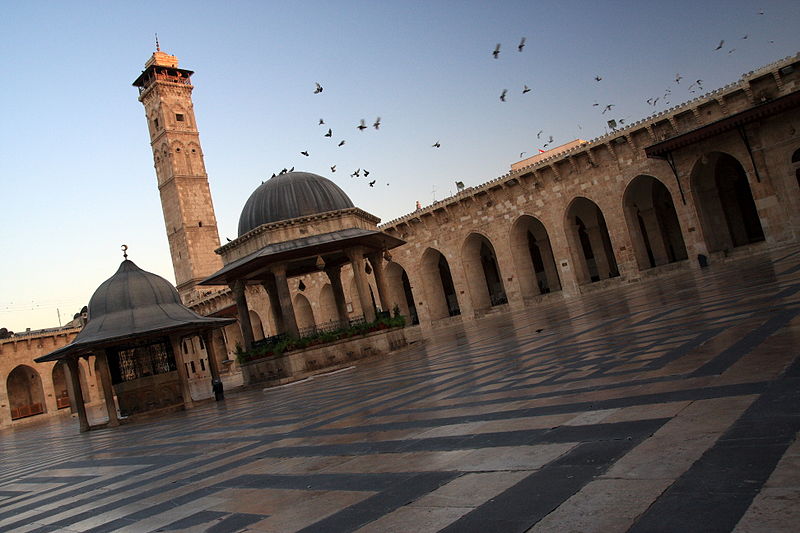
{"x": 298, "y": 364}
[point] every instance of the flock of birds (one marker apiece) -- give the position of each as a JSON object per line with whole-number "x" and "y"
{"x": 607, "y": 108}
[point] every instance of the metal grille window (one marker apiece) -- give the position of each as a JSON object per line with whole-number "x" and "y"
{"x": 142, "y": 361}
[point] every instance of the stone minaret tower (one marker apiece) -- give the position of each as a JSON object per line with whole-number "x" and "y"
{"x": 166, "y": 93}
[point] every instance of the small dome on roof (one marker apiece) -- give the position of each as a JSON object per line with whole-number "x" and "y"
{"x": 131, "y": 288}
{"x": 291, "y": 195}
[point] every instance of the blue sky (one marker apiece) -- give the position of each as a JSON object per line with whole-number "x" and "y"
{"x": 76, "y": 170}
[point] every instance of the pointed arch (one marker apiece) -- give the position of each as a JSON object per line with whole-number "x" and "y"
{"x": 590, "y": 243}
{"x": 25, "y": 392}
{"x": 327, "y": 305}
{"x": 401, "y": 292}
{"x": 440, "y": 292}
{"x": 652, "y": 223}
{"x": 60, "y": 388}
{"x": 724, "y": 202}
{"x": 257, "y": 325}
{"x": 303, "y": 313}
{"x": 482, "y": 271}
{"x": 533, "y": 257}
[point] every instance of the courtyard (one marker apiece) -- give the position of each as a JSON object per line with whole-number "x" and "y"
{"x": 672, "y": 404}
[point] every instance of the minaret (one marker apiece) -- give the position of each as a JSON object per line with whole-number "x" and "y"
{"x": 166, "y": 93}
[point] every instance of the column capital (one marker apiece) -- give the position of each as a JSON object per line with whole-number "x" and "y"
{"x": 355, "y": 253}
{"x": 278, "y": 269}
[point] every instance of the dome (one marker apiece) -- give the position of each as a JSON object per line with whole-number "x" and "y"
{"x": 131, "y": 288}
{"x": 291, "y": 195}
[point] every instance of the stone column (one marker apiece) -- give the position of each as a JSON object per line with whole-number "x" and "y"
{"x": 75, "y": 392}
{"x": 285, "y": 300}
{"x": 108, "y": 387}
{"x": 356, "y": 256}
{"x": 599, "y": 251}
{"x": 183, "y": 373}
{"x": 237, "y": 288}
{"x": 211, "y": 353}
{"x": 335, "y": 277}
{"x": 654, "y": 236}
{"x": 274, "y": 303}
{"x": 384, "y": 295}
{"x": 550, "y": 270}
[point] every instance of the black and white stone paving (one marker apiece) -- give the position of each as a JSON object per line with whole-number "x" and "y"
{"x": 672, "y": 404}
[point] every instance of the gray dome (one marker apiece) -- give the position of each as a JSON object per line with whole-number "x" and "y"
{"x": 131, "y": 288}
{"x": 291, "y": 195}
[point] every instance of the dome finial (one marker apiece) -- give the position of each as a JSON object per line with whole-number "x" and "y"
{"x": 124, "y": 248}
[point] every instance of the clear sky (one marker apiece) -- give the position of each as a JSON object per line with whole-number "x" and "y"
{"x": 76, "y": 171}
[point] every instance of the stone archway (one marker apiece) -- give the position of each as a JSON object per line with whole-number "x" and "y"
{"x": 652, "y": 223}
{"x": 355, "y": 300}
{"x": 257, "y": 325}
{"x": 327, "y": 305}
{"x": 303, "y": 313}
{"x": 400, "y": 291}
{"x": 724, "y": 203}
{"x": 60, "y": 388}
{"x": 440, "y": 292}
{"x": 25, "y": 392}
{"x": 533, "y": 257}
{"x": 590, "y": 243}
{"x": 482, "y": 272}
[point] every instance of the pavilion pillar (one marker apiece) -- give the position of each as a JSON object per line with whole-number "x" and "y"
{"x": 274, "y": 303}
{"x": 356, "y": 256}
{"x": 211, "y": 353}
{"x": 335, "y": 277}
{"x": 183, "y": 372}
{"x": 376, "y": 260}
{"x": 599, "y": 251}
{"x": 237, "y": 288}
{"x": 285, "y": 300}
{"x": 74, "y": 391}
{"x": 108, "y": 387}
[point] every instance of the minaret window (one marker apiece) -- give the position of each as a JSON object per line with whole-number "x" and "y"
{"x": 155, "y": 124}
{"x": 179, "y": 117}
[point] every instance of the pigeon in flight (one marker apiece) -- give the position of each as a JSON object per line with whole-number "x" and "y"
{"x": 549, "y": 139}
{"x": 330, "y": 133}
{"x": 521, "y": 154}
{"x": 678, "y": 78}
{"x": 503, "y": 95}
{"x": 539, "y": 135}
{"x": 597, "y": 78}
{"x": 321, "y": 122}
{"x": 318, "y": 89}
{"x": 526, "y": 90}
{"x": 304, "y": 152}
{"x": 377, "y": 123}
{"x": 732, "y": 50}
{"x": 356, "y": 174}
{"x": 436, "y": 145}
{"x": 341, "y": 143}
{"x": 521, "y": 44}
{"x": 229, "y": 239}
{"x": 372, "y": 183}
{"x": 719, "y": 46}
{"x": 362, "y": 126}
{"x": 366, "y": 172}
{"x": 496, "y": 51}
{"x": 333, "y": 168}
{"x": 746, "y": 35}
{"x": 607, "y": 108}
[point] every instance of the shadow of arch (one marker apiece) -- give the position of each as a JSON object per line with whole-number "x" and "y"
{"x": 589, "y": 242}
{"x": 652, "y": 223}
{"x": 533, "y": 257}
{"x": 724, "y": 203}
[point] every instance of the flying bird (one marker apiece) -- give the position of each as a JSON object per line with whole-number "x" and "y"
{"x": 539, "y": 135}
{"x": 719, "y": 46}
{"x": 333, "y": 168}
{"x": 732, "y": 50}
{"x": 607, "y": 108}
{"x": 318, "y": 89}
{"x": 678, "y": 78}
{"x": 377, "y": 123}
{"x": 229, "y": 239}
{"x": 597, "y": 78}
{"x": 341, "y": 143}
{"x": 291, "y": 169}
{"x": 321, "y": 122}
{"x": 521, "y": 44}
{"x": 304, "y": 152}
{"x": 521, "y": 154}
{"x": 372, "y": 183}
{"x": 330, "y": 133}
{"x": 503, "y": 95}
{"x": 595, "y": 104}
{"x": 526, "y": 90}
{"x": 362, "y": 126}
{"x": 746, "y": 35}
{"x": 356, "y": 174}
{"x": 366, "y": 172}
{"x": 550, "y": 139}
{"x": 496, "y": 51}
{"x": 436, "y": 145}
